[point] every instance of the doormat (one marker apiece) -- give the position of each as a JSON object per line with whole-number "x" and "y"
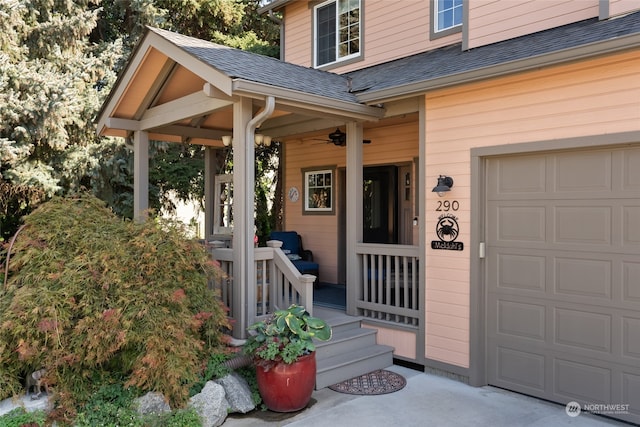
{"x": 377, "y": 382}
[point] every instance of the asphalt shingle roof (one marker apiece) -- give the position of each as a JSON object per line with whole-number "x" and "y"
{"x": 443, "y": 62}
{"x": 453, "y": 60}
{"x": 257, "y": 68}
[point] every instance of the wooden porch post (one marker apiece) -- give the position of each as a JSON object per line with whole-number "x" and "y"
{"x": 209, "y": 172}
{"x": 244, "y": 286}
{"x": 242, "y": 226}
{"x": 140, "y": 174}
{"x": 422, "y": 240}
{"x": 354, "y": 211}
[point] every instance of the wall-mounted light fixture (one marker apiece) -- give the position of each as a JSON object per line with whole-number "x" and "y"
{"x": 444, "y": 184}
{"x": 227, "y": 140}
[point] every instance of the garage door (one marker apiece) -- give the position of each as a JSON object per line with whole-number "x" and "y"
{"x": 563, "y": 277}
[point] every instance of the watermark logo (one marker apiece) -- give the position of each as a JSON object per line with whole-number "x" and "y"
{"x": 573, "y": 409}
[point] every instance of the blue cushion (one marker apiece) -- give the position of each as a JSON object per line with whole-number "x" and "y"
{"x": 289, "y": 240}
{"x": 291, "y": 246}
{"x": 306, "y": 267}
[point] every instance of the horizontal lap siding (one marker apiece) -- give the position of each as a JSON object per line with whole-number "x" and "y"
{"x": 491, "y": 22}
{"x": 589, "y": 98}
{"x": 313, "y": 228}
{"x": 390, "y": 145}
{"x": 382, "y": 41}
{"x": 298, "y": 30}
{"x": 619, "y": 7}
{"x": 403, "y": 342}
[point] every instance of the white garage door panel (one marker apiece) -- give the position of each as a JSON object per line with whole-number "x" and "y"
{"x": 563, "y": 276}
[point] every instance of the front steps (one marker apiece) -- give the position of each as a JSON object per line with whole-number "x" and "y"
{"x": 352, "y": 350}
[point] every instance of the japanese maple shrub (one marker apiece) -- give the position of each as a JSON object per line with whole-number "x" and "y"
{"x": 90, "y": 295}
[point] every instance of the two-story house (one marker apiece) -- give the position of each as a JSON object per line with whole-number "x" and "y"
{"x": 468, "y": 170}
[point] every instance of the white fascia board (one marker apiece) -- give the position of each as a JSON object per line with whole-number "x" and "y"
{"x": 527, "y": 64}
{"x": 307, "y": 101}
{"x": 122, "y": 84}
{"x": 208, "y": 73}
{"x": 205, "y": 71}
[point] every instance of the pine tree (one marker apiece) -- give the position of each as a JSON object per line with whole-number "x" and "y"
{"x": 51, "y": 79}
{"x": 58, "y": 61}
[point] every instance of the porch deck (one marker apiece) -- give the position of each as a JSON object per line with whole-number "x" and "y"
{"x": 330, "y": 295}
{"x": 385, "y": 292}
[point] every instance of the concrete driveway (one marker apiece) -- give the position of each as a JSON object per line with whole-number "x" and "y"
{"x": 426, "y": 400}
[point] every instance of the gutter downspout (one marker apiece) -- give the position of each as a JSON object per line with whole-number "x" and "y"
{"x": 249, "y": 222}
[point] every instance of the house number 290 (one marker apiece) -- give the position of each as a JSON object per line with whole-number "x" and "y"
{"x": 446, "y": 205}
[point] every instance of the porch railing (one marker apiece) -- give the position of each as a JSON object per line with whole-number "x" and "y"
{"x": 277, "y": 284}
{"x": 390, "y": 283}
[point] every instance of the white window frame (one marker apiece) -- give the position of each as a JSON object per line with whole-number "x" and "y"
{"x": 223, "y": 204}
{"x": 337, "y": 33}
{"x": 325, "y": 189}
{"x": 436, "y": 16}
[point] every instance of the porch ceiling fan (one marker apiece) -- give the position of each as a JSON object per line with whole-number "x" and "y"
{"x": 339, "y": 138}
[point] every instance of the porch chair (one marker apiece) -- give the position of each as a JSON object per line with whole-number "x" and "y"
{"x": 301, "y": 258}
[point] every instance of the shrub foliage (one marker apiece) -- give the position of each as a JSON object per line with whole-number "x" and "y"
{"x": 89, "y": 294}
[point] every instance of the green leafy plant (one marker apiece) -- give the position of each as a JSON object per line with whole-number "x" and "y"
{"x": 112, "y": 405}
{"x": 19, "y": 418}
{"x": 249, "y": 374}
{"x": 90, "y": 295}
{"x": 187, "y": 417}
{"x": 285, "y": 336}
{"x": 109, "y": 404}
{"x": 215, "y": 369}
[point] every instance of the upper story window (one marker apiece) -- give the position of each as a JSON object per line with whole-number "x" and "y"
{"x": 337, "y": 31}
{"x": 446, "y": 17}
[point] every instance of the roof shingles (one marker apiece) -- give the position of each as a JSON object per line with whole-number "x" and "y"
{"x": 430, "y": 65}
{"x": 249, "y": 66}
{"x": 453, "y": 60}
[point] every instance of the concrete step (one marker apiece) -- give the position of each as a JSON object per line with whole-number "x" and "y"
{"x": 344, "y": 366}
{"x": 352, "y": 350}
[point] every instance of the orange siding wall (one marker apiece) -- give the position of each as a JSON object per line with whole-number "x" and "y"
{"x": 588, "y": 98}
{"x": 390, "y": 145}
{"x": 403, "y": 342}
{"x": 298, "y": 28}
{"x": 491, "y": 22}
{"x": 382, "y": 39}
{"x": 619, "y": 7}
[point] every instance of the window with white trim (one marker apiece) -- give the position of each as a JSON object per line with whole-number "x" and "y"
{"x": 337, "y": 31}
{"x": 447, "y": 14}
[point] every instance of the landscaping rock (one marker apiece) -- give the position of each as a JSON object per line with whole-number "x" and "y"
{"x": 238, "y": 393}
{"x": 151, "y": 403}
{"x": 24, "y": 401}
{"x": 211, "y": 405}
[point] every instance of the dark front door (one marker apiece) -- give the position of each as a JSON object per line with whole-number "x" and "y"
{"x": 380, "y": 205}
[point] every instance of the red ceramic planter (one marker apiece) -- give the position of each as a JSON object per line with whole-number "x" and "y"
{"x": 288, "y": 388}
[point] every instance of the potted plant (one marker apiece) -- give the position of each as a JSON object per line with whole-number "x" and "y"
{"x": 283, "y": 349}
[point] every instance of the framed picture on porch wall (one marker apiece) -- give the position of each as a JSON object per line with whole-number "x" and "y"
{"x": 319, "y": 190}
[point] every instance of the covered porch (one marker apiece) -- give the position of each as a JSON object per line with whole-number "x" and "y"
{"x": 183, "y": 90}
